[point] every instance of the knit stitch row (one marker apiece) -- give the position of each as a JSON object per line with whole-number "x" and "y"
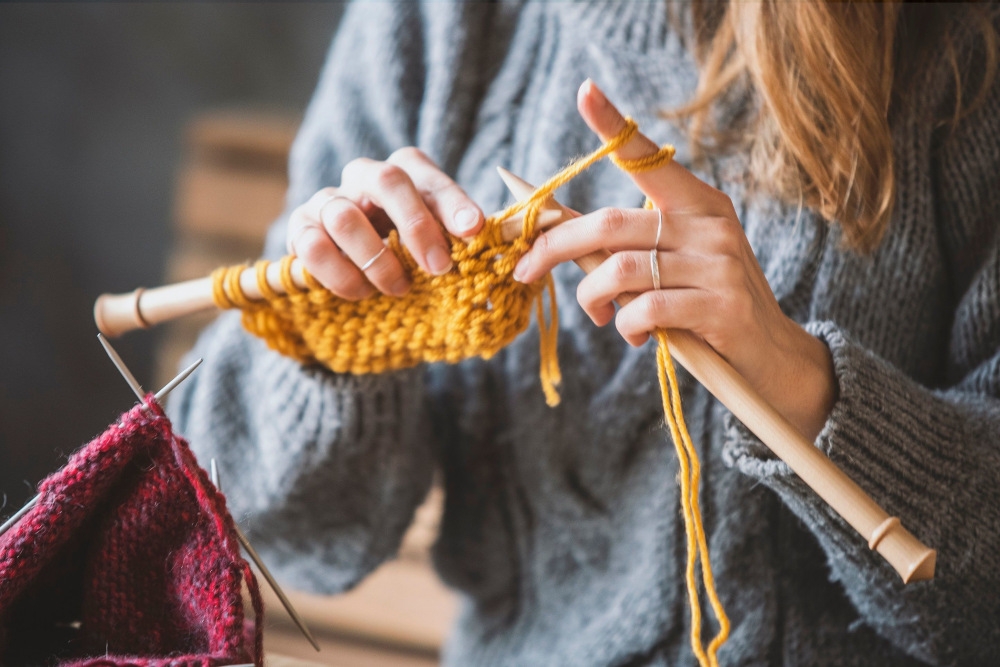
{"x": 475, "y": 309}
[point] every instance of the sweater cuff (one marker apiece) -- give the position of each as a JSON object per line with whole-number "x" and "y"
{"x": 886, "y": 432}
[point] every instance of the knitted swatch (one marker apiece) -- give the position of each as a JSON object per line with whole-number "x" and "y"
{"x": 474, "y": 310}
{"x": 128, "y": 558}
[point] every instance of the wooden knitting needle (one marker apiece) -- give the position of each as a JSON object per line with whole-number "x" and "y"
{"x": 116, "y": 314}
{"x": 136, "y": 388}
{"x": 908, "y": 556}
{"x": 255, "y": 557}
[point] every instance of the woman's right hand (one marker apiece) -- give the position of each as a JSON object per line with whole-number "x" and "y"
{"x": 341, "y": 229}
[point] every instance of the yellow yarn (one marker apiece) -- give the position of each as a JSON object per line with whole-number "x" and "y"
{"x": 475, "y": 309}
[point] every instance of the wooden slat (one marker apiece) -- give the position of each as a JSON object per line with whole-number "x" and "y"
{"x": 230, "y": 203}
{"x": 401, "y": 604}
{"x": 243, "y": 132}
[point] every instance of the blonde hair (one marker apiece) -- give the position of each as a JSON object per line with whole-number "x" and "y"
{"x": 822, "y": 77}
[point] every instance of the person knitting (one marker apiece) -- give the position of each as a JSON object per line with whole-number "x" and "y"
{"x": 828, "y": 225}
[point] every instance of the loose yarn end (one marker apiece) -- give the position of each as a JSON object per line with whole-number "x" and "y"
{"x": 474, "y": 310}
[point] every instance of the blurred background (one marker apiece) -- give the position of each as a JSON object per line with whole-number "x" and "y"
{"x": 143, "y": 143}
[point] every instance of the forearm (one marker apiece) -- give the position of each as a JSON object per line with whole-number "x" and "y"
{"x": 926, "y": 457}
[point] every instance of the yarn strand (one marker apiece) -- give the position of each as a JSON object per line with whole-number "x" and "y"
{"x": 690, "y": 478}
{"x": 474, "y": 310}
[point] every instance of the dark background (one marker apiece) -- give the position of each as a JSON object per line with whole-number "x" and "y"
{"x": 93, "y": 102}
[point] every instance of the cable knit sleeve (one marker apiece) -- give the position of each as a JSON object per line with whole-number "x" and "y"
{"x": 325, "y": 470}
{"x": 928, "y": 454}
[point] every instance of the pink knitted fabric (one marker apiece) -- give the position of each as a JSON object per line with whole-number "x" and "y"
{"x": 129, "y": 558}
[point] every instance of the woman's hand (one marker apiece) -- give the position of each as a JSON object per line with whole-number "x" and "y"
{"x": 339, "y": 231}
{"x": 709, "y": 280}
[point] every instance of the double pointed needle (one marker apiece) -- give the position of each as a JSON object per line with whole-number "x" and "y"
{"x": 136, "y": 388}
{"x": 255, "y": 557}
{"x": 160, "y": 395}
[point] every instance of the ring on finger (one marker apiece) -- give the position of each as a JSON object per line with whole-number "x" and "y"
{"x": 659, "y": 228}
{"x": 367, "y": 265}
{"x": 654, "y": 266}
{"x": 654, "y": 256}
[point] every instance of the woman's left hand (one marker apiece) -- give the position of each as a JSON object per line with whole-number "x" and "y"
{"x": 709, "y": 280}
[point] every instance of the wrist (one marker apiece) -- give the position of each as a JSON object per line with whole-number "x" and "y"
{"x": 812, "y": 384}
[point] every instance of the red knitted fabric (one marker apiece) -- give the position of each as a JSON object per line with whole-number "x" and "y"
{"x": 129, "y": 558}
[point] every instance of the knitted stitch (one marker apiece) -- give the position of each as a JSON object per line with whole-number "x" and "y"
{"x": 474, "y": 310}
{"x": 485, "y": 308}
{"x": 128, "y": 558}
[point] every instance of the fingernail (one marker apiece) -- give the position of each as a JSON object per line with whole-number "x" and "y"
{"x": 400, "y": 287}
{"x": 438, "y": 260}
{"x": 522, "y": 268}
{"x": 465, "y": 220}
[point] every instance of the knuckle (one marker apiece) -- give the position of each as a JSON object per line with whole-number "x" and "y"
{"x": 324, "y": 193}
{"x": 541, "y": 248}
{"x": 389, "y": 177}
{"x": 412, "y": 224}
{"x": 610, "y": 221}
{"x": 725, "y": 235}
{"x": 654, "y": 304}
{"x": 297, "y": 220}
{"x": 338, "y": 220}
{"x": 626, "y": 266}
{"x": 725, "y": 203}
{"x": 445, "y": 189}
{"x": 310, "y": 246}
{"x": 353, "y": 169}
{"x": 729, "y": 270}
{"x": 585, "y": 295}
{"x": 407, "y": 154}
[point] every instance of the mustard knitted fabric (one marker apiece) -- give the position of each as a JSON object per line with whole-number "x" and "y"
{"x": 474, "y": 310}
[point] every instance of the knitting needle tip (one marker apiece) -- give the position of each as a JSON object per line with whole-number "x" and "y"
{"x": 17, "y": 515}
{"x": 122, "y": 368}
{"x": 170, "y": 386}
{"x": 255, "y": 557}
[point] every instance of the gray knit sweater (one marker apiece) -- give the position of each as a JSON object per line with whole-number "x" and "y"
{"x": 562, "y": 528}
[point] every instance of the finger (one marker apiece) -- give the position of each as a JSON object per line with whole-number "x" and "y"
{"x": 305, "y": 215}
{"x": 611, "y": 229}
{"x": 670, "y": 187}
{"x": 390, "y": 188}
{"x": 682, "y": 308}
{"x": 631, "y": 272}
{"x": 446, "y": 200}
{"x": 351, "y": 230}
{"x": 323, "y": 259}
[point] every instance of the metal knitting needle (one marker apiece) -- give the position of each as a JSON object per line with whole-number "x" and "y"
{"x": 170, "y": 386}
{"x": 134, "y": 384}
{"x": 122, "y": 368}
{"x": 17, "y": 515}
{"x": 136, "y": 387}
{"x": 255, "y": 557}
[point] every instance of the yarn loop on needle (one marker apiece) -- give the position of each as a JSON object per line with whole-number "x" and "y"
{"x": 475, "y": 309}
